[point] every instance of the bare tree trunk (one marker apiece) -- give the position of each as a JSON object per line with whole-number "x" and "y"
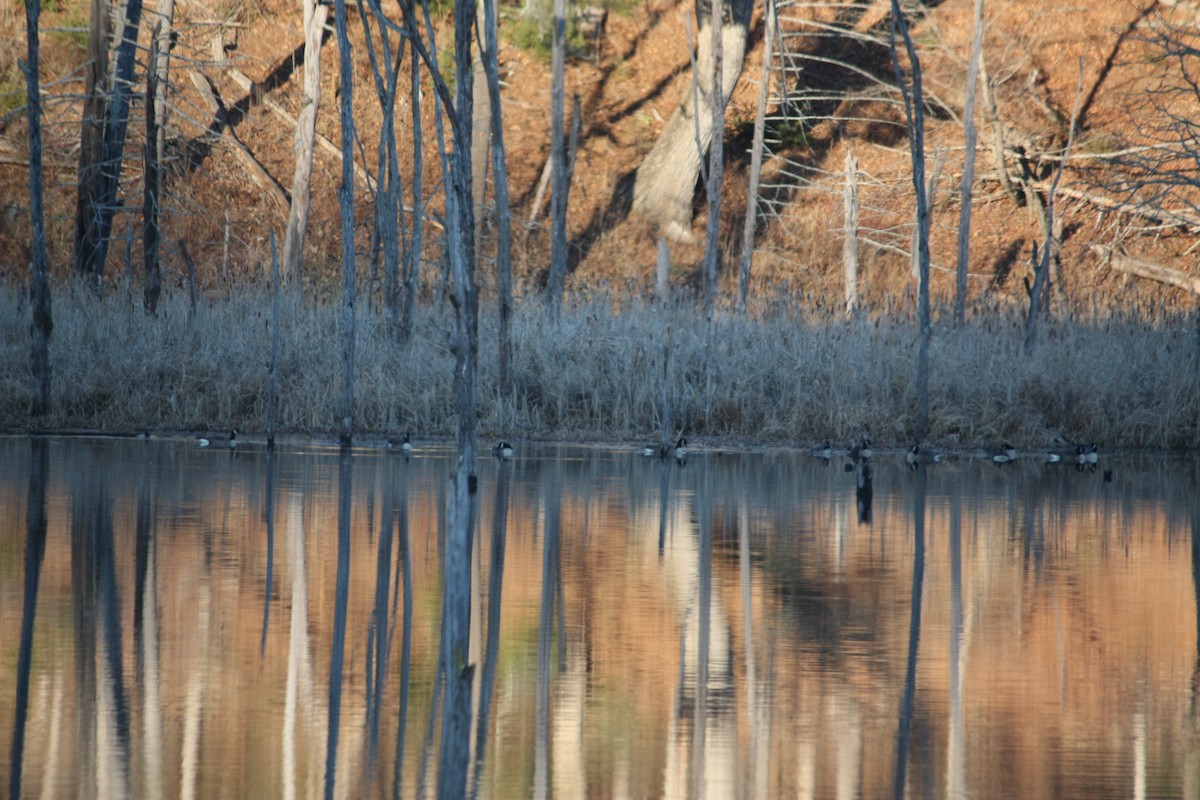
{"x": 107, "y": 97}
{"x": 914, "y": 108}
{"x": 662, "y": 272}
{"x": 481, "y": 117}
{"x": 412, "y": 263}
{"x": 558, "y": 160}
{"x": 315, "y": 15}
{"x": 716, "y": 164}
{"x": 346, "y": 203}
{"x": 935, "y": 175}
{"x": 500, "y": 191}
{"x": 388, "y": 213}
{"x": 91, "y": 142}
{"x": 150, "y": 185}
{"x": 272, "y": 394}
{"x": 992, "y": 113}
{"x": 1049, "y": 242}
{"x": 756, "y": 151}
{"x": 161, "y": 67}
{"x": 666, "y": 179}
{"x": 42, "y": 324}
{"x": 850, "y": 241}
{"x": 968, "y": 177}
{"x": 460, "y": 228}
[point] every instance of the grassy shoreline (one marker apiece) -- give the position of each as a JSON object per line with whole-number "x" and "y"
{"x": 777, "y": 376}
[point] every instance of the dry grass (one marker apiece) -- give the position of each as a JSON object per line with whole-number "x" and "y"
{"x": 778, "y": 375}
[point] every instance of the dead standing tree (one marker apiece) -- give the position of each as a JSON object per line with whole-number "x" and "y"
{"x": 315, "y": 14}
{"x": 454, "y": 658}
{"x": 42, "y": 324}
{"x": 346, "y": 204}
{"x": 914, "y": 113}
{"x": 102, "y": 139}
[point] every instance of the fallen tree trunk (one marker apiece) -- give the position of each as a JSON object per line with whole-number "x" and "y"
{"x": 258, "y": 96}
{"x": 258, "y": 173}
{"x": 1123, "y": 262}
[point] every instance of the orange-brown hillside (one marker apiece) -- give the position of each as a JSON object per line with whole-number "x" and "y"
{"x": 628, "y": 82}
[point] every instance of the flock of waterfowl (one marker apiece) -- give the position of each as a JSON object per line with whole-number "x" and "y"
{"x": 1082, "y": 455}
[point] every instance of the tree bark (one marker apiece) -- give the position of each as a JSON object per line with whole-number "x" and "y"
{"x": 666, "y": 180}
{"x": 91, "y": 140}
{"x": 412, "y": 260}
{"x": 756, "y": 152}
{"x": 850, "y": 240}
{"x": 500, "y": 191}
{"x": 42, "y": 324}
{"x": 456, "y": 583}
{"x": 150, "y": 184}
{"x": 389, "y": 221}
{"x": 558, "y": 160}
{"x": 315, "y": 15}
{"x": 346, "y": 204}
{"x": 914, "y": 108}
{"x": 106, "y": 105}
{"x": 968, "y": 177}
{"x": 716, "y": 161}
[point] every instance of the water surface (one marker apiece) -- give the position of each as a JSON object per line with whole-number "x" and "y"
{"x": 186, "y": 622}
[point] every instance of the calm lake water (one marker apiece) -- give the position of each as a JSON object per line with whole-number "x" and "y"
{"x": 193, "y": 623}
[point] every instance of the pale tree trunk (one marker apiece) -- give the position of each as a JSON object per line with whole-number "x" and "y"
{"x": 315, "y": 15}
{"x": 558, "y": 160}
{"x": 157, "y": 83}
{"x": 968, "y": 177}
{"x": 662, "y": 272}
{"x": 39, "y": 290}
{"x": 756, "y": 152}
{"x": 500, "y": 192}
{"x": 666, "y": 179}
{"x": 850, "y": 240}
{"x": 716, "y": 160}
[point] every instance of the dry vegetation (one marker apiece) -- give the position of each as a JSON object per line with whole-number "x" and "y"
{"x": 777, "y": 375}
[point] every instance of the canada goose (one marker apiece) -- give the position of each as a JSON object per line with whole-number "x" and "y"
{"x": 652, "y": 450}
{"x": 1091, "y": 452}
{"x": 1004, "y": 454}
{"x": 825, "y": 451}
{"x": 205, "y": 441}
{"x": 916, "y": 455}
{"x": 404, "y": 445}
{"x": 680, "y": 451}
{"x": 503, "y": 450}
{"x": 862, "y": 450}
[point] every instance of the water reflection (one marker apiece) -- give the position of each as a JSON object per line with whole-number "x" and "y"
{"x": 745, "y": 626}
